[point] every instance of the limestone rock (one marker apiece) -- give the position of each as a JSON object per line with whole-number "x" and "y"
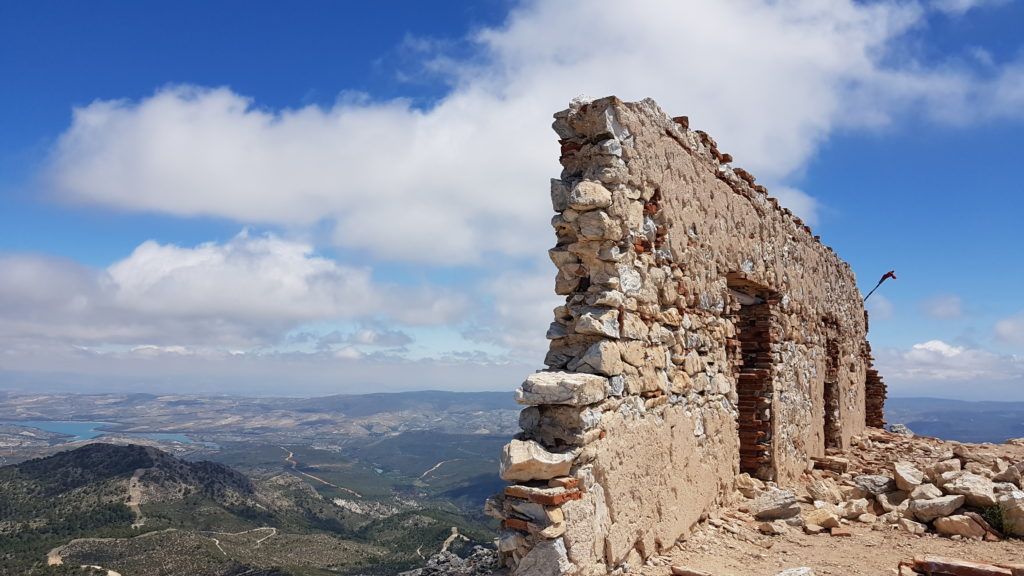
{"x": 821, "y": 517}
{"x": 802, "y": 571}
{"x": 773, "y": 528}
{"x": 826, "y": 490}
{"x": 925, "y": 492}
{"x": 748, "y": 485}
{"x": 928, "y": 510}
{"x": 907, "y": 476}
{"x": 875, "y": 484}
{"x": 774, "y": 504}
{"x": 599, "y": 322}
{"x": 562, "y": 388}
{"x": 854, "y": 508}
{"x": 935, "y": 471}
{"x": 908, "y": 525}
{"x": 977, "y": 489}
{"x": 1012, "y": 474}
{"x": 546, "y": 558}
{"x": 587, "y": 195}
{"x": 893, "y": 500}
{"x": 524, "y": 460}
{"x": 1012, "y": 505}
{"x": 960, "y": 525}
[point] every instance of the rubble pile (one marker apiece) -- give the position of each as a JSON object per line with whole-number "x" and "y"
{"x": 890, "y": 481}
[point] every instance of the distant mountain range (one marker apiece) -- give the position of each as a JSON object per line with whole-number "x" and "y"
{"x": 958, "y": 420}
{"x": 138, "y": 510}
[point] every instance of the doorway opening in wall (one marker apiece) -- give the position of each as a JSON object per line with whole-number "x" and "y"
{"x": 754, "y": 369}
{"x": 830, "y": 404}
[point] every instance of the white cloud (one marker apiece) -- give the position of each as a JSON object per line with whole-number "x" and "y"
{"x": 1011, "y": 329}
{"x": 522, "y": 304}
{"x": 939, "y": 369}
{"x": 770, "y": 80}
{"x": 944, "y": 306}
{"x": 960, "y": 7}
{"x": 249, "y": 291}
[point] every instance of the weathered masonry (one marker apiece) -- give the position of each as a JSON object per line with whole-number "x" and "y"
{"x": 706, "y": 332}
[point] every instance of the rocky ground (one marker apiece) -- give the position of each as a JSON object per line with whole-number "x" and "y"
{"x": 888, "y": 499}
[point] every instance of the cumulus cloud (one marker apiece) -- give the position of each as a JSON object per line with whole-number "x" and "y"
{"x": 521, "y": 305}
{"x": 248, "y": 291}
{"x": 1011, "y": 329}
{"x": 944, "y": 306}
{"x": 461, "y": 179}
{"x": 960, "y": 7}
{"x": 939, "y": 369}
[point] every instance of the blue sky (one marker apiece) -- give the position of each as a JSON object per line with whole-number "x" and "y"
{"x": 326, "y": 197}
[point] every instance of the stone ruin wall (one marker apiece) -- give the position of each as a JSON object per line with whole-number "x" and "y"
{"x": 704, "y": 333}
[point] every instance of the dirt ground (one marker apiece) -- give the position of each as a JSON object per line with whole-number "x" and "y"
{"x": 868, "y": 552}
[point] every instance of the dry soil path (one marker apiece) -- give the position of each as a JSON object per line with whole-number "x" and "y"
{"x": 290, "y": 458}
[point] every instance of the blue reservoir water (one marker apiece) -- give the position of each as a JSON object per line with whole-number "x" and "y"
{"x": 87, "y": 430}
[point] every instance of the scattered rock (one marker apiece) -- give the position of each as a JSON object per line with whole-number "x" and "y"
{"x": 909, "y": 525}
{"x": 977, "y": 489}
{"x": 802, "y": 571}
{"x": 774, "y": 504}
{"x": 821, "y": 517}
{"x": 925, "y": 492}
{"x": 1012, "y": 505}
{"x": 826, "y": 490}
{"x": 875, "y": 484}
{"x": 907, "y": 476}
{"x": 841, "y": 532}
{"x": 959, "y": 524}
{"x": 928, "y": 510}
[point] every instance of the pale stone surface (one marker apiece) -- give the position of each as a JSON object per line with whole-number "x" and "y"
{"x": 748, "y": 486}
{"x": 875, "y": 484}
{"x": 977, "y": 489}
{"x": 825, "y": 489}
{"x": 562, "y": 388}
{"x": 773, "y": 504}
{"x": 928, "y": 510}
{"x": 854, "y": 508}
{"x": 801, "y": 571}
{"x": 821, "y": 517}
{"x": 1013, "y": 512}
{"x": 935, "y": 471}
{"x": 907, "y": 476}
{"x": 926, "y": 492}
{"x": 524, "y": 460}
{"x": 909, "y": 525}
{"x": 960, "y": 525}
{"x": 587, "y": 195}
{"x": 546, "y": 558}
{"x": 893, "y": 500}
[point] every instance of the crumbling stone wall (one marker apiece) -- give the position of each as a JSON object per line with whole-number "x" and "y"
{"x": 703, "y": 329}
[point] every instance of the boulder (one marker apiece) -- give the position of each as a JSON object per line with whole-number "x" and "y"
{"x": 925, "y": 492}
{"x": 774, "y": 504}
{"x": 854, "y": 508}
{"x": 893, "y": 500}
{"x": 875, "y": 484}
{"x": 821, "y": 517}
{"x": 908, "y": 525}
{"x": 748, "y": 485}
{"x": 935, "y": 471}
{"x": 1012, "y": 505}
{"x": 826, "y": 490}
{"x": 1012, "y": 474}
{"x": 571, "y": 388}
{"x": 959, "y": 525}
{"x": 977, "y": 489}
{"x": 524, "y": 460}
{"x": 907, "y": 476}
{"x": 928, "y": 510}
{"x": 773, "y": 528}
{"x": 546, "y": 558}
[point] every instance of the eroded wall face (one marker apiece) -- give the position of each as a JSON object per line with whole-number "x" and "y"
{"x": 638, "y": 424}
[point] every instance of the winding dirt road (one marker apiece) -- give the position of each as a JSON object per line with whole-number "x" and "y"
{"x": 290, "y": 458}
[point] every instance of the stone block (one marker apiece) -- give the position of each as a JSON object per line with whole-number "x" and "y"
{"x": 774, "y": 504}
{"x": 907, "y": 476}
{"x": 524, "y": 460}
{"x": 928, "y": 510}
{"x": 587, "y": 195}
{"x": 555, "y": 387}
{"x": 977, "y": 489}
